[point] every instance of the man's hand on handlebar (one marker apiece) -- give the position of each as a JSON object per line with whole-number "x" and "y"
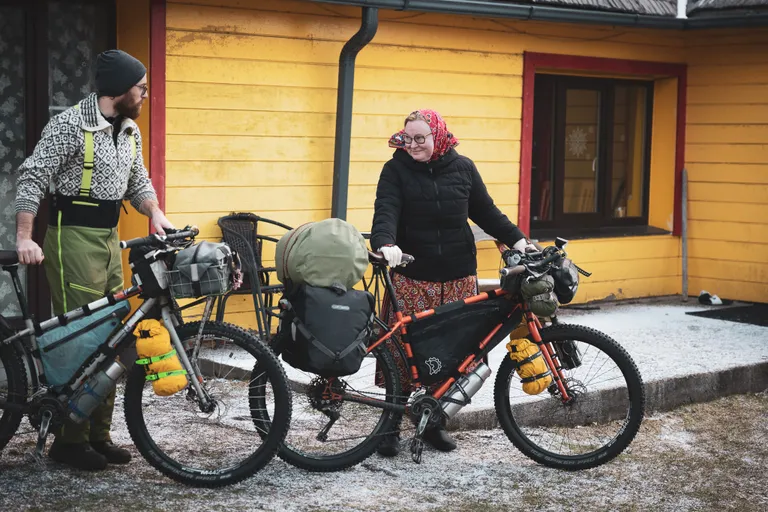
{"x": 29, "y": 252}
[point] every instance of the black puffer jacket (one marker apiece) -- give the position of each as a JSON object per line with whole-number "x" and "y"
{"x": 423, "y": 208}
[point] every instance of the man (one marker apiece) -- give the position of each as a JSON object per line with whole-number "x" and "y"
{"x": 92, "y": 154}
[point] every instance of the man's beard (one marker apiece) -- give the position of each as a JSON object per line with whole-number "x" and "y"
{"x": 126, "y": 110}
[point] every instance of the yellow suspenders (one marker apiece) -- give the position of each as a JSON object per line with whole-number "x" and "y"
{"x": 85, "y": 183}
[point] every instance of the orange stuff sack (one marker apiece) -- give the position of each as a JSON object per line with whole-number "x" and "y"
{"x": 530, "y": 364}
{"x": 157, "y": 355}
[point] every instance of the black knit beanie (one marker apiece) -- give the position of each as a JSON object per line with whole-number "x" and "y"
{"x": 117, "y": 72}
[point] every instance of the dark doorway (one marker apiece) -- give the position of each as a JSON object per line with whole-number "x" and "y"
{"x": 47, "y": 53}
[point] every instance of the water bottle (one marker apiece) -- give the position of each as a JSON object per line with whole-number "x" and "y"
{"x": 469, "y": 384}
{"x": 93, "y": 392}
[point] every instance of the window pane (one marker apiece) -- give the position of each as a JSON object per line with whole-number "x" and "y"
{"x": 629, "y": 130}
{"x": 582, "y": 118}
{"x": 12, "y": 139}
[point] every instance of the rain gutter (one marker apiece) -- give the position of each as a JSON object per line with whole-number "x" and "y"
{"x": 486, "y": 8}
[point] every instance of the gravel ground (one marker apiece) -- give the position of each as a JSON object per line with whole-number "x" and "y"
{"x": 709, "y": 456}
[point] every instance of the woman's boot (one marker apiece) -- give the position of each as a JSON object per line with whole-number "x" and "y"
{"x": 390, "y": 446}
{"x": 439, "y": 439}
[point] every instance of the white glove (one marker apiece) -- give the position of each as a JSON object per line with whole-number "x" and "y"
{"x": 523, "y": 245}
{"x": 393, "y": 254}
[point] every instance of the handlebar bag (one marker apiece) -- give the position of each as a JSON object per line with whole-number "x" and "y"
{"x": 64, "y": 349}
{"x": 566, "y": 278}
{"x": 149, "y": 270}
{"x": 325, "y": 330}
{"x": 202, "y": 269}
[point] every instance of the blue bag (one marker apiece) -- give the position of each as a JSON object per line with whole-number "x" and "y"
{"x": 63, "y": 350}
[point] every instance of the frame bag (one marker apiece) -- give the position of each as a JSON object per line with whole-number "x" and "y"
{"x": 326, "y": 330}
{"x": 63, "y": 350}
{"x": 442, "y": 341}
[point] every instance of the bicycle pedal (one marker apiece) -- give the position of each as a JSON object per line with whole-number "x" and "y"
{"x": 417, "y": 447}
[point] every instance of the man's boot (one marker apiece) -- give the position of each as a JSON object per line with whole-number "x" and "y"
{"x": 101, "y": 422}
{"x": 439, "y": 439}
{"x": 114, "y": 454}
{"x": 77, "y": 455}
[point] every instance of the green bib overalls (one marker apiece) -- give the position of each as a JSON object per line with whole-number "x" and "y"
{"x": 82, "y": 263}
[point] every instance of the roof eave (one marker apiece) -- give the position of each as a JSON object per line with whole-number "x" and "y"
{"x": 484, "y": 8}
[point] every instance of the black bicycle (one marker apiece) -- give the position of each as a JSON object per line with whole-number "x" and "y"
{"x": 205, "y": 435}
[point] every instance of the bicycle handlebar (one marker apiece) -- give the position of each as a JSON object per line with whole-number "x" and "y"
{"x": 379, "y": 259}
{"x": 156, "y": 240}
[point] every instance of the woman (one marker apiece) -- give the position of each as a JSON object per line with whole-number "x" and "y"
{"x": 426, "y": 194}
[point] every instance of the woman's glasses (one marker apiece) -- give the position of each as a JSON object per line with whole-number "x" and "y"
{"x": 420, "y": 139}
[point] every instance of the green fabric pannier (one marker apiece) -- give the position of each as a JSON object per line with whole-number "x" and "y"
{"x": 322, "y": 254}
{"x": 540, "y": 295}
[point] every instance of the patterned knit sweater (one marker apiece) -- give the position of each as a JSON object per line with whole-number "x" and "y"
{"x": 60, "y": 153}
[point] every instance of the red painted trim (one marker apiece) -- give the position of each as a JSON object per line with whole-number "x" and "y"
{"x": 526, "y": 146}
{"x": 157, "y": 97}
{"x": 546, "y": 61}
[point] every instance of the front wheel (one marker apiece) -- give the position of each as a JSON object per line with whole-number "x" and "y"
{"x": 596, "y": 425}
{"x": 218, "y": 444}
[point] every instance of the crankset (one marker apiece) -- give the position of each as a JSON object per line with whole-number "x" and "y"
{"x": 425, "y": 412}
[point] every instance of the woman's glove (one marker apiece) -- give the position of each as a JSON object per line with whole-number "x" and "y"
{"x": 523, "y": 245}
{"x": 393, "y": 254}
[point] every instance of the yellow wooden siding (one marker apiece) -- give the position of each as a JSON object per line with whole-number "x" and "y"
{"x": 251, "y": 102}
{"x": 727, "y": 162}
{"x": 133, "y": 37}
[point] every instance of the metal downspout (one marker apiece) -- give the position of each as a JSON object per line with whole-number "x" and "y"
{"x": 346, "y": 89}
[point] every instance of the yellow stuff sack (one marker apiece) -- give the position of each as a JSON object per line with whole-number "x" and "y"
{"x": 157, "y": 355}
{"x": 531, "y": 366}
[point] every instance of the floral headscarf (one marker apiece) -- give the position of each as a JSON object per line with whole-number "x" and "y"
{"x": 443, "y": 139}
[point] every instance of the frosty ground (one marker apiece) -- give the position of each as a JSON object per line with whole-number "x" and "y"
{"x": 709, "y": 456}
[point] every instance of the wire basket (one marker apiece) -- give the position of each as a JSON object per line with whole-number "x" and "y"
{"x": 214, "y": 281}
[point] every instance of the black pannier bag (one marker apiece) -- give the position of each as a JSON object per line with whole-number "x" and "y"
{"x": 325, "y": 330}
{"x": 441, "y": 342}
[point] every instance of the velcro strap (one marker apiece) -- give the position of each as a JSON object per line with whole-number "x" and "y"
{"x": 158, "y": 376}
{"x": 536, "y": 377}
{"x": 527, "y": 360}
{"x": 156, "y": 359}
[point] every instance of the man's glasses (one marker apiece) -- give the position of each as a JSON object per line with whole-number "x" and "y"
{"x": 144, "y": 88}
{"x": 420, "y": 139}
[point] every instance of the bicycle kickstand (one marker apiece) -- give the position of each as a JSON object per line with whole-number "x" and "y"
{"x": 42, "y": 435}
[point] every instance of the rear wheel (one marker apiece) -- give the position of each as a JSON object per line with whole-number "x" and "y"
{"x": 329, "y": 431}
{"x": 601, "y": 420}
{"x": 13, "y": 391}
{"x": 220, "y": 444}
